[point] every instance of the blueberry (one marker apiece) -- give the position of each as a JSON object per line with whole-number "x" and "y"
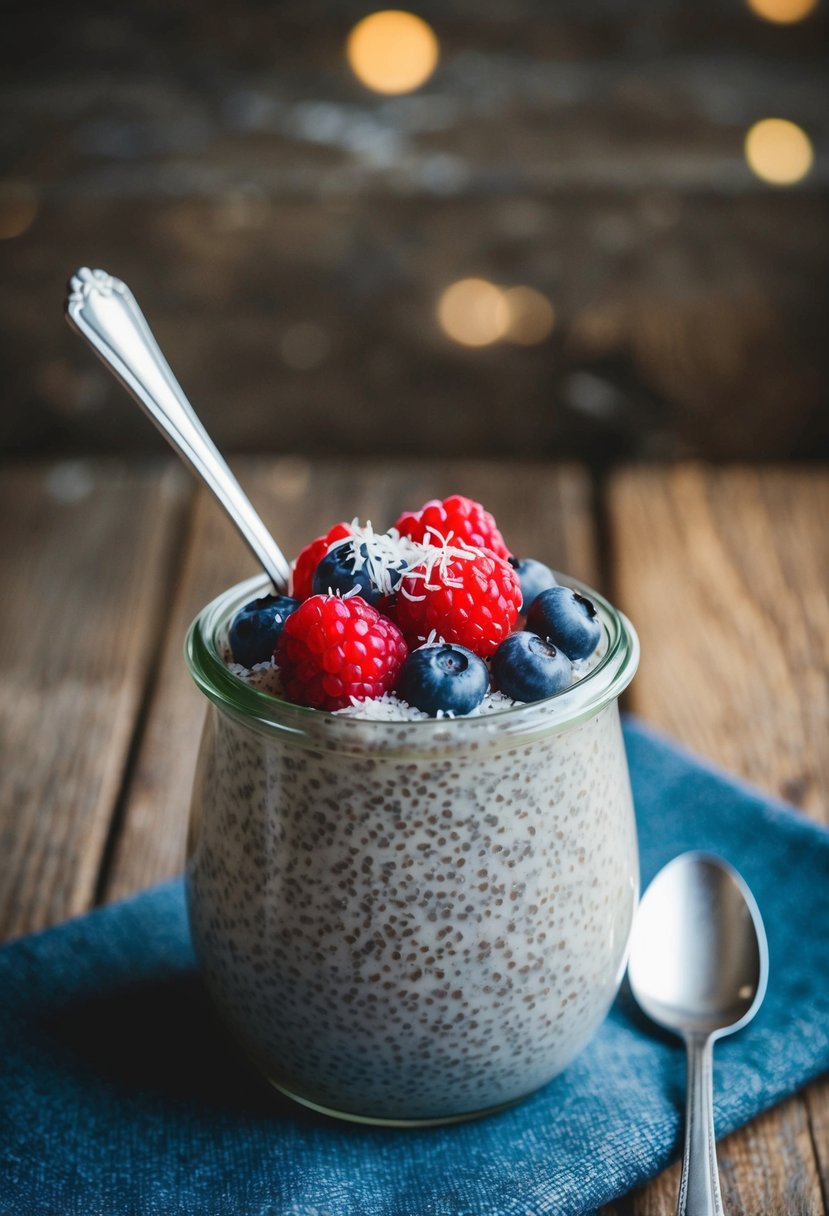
{"x": 567, "y": 619}
{"x": 256, "y": 627}
{"x": 336, "y": 573}
{"x": 534, "y": 578}
{"x": 441, "y": 676}
{"x": 528, "y": 668}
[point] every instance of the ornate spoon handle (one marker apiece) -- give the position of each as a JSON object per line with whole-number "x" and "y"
{"x": 103, "y": 311}
{"x": 699, "y": 1186}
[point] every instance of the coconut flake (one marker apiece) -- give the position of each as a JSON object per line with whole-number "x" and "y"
{"x": 387, "y": 708}
{"x": 386, "y": 553}
{"x": 438, "y": 557}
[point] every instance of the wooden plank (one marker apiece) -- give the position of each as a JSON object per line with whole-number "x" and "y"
{"x": 817, "y": 1101}
{"x": 150, "y": 843}
{"x": 766, "y": 1168}
{"x": 79, "y": 620}
{"x": 544, "y": 513}
{"x": 725, "y": 574}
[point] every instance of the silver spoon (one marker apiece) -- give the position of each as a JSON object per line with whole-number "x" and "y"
{"x": 103, "y": 311}
{"x": 698, "y": 966}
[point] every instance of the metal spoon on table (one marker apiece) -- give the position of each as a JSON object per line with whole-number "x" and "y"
{"x": 103, "y": 311}
{"x": 698, "y": 966}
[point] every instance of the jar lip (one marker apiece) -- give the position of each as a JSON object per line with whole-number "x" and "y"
{"x": 604, "y": 683}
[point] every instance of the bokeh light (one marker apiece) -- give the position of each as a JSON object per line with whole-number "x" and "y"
{"x": 392, "y": 51}
{"x": 18, "y": 208}
{"x": 782, "y": 12}
{"x": 531, "y": 316}
{"x": 778, "y": 151}
{"x": 473, "y": 312}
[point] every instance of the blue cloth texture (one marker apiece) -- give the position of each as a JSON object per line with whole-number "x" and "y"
{"x": 119, "y": 1093}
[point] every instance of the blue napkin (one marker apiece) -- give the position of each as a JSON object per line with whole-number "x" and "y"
{"x": 120, "y": 1094}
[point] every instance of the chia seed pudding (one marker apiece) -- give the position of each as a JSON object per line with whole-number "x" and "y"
{"x": 411, "y": 921}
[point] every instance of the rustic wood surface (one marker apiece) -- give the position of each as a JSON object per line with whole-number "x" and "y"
{"x": 81, "y": 613}
{"x": 103, "y": 566}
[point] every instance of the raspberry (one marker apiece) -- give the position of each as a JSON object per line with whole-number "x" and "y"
{"x": 466, "y": 519}
{"x": 310, "y": 557}
{"x": 336, "y": 650}
{"x": 467, "y": 596}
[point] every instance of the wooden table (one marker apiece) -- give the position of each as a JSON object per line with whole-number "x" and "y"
{"x": 102, "y": 566}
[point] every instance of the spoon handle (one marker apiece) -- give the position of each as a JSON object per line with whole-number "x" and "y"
{"x": 103, "y": 311}
{"x": 699, "y": 1187}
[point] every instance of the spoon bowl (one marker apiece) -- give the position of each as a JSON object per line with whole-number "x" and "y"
{"x": 698, "y": 959}
{"x": 698, "y": 967}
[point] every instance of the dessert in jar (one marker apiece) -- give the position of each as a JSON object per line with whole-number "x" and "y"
{"x": 413, "y": 866}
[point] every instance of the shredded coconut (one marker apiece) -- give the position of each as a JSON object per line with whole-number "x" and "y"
{"x": 388, "y": 708}
{"x": 266, "y": 677}
{"x": 381, "y": 554}
{"x": 438, "y": 556}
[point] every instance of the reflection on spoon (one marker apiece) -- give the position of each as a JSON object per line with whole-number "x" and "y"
{"x": 698, "y": 966}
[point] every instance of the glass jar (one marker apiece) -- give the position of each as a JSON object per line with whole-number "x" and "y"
{"x": 411, "y": 922}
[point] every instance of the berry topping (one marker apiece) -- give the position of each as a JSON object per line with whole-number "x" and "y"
{"x": 310, "y": 557}
{"x": 464, "y": 595}
{"x": 400, "y": 622}
{"x": 368, "y": 562}
{"x": 534, "y": 578}
{"x": 457, "y": 519}
{"x": 442, "y": 679}
{"x": 567, "y": 619}
{"x": 256, "y": 627}
{"x": 528, "y": 668}
{"x": 333, "y": 651}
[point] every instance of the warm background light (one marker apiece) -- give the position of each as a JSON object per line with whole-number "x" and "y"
{"x": 782, "y": 12}
{"x": 392, "y": 51}
{"x": 778, "y": 151}
{"x": 18, "y": 208}
{"x": 530, "y": 316}
{"x": 473, "y": 312}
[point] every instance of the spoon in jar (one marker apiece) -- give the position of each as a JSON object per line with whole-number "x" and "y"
{"x": 698, "y": 966}
{"x": 103, "y": 310}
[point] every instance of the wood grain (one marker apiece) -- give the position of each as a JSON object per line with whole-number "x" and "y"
{"x": 726, "y": 574}
{"x": 83, "y": 553}
{"x": 545, "y": 512}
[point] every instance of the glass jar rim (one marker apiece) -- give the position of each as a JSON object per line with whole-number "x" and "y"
{"x": 264, "y": 712}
